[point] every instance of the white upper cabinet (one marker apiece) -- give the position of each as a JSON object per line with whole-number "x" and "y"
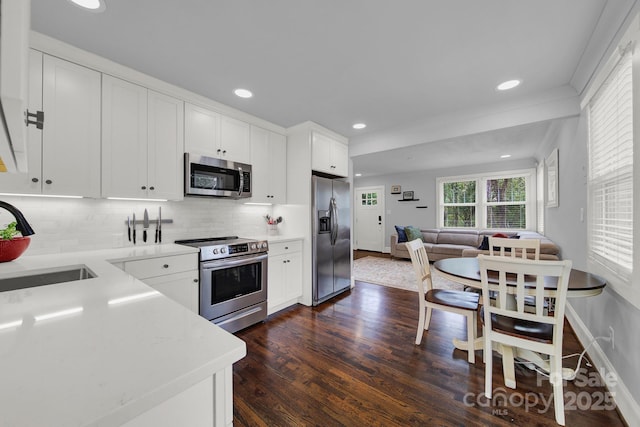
{"x": 141, "y": 142}
{"x": 212, "y": 134}
{"x": 329, "y": 155}
{"x": 235, "y": 140}
{"x": 269, "y": 166}
{"x": 63, "y": 157}
{"x": 165, "y": 146}
{"x": 201, "y": 130}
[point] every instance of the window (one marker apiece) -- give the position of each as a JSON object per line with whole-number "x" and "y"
{"x": 369, "y": 199}
{"x": 459, "y": 204}
{"x": 505, "y": 200}
{"x": 610, "y": 184}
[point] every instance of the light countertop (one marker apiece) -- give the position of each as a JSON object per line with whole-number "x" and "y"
{"x": 103, "y": 362}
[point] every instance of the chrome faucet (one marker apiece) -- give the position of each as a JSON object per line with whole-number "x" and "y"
{"x": 21, "y": 223}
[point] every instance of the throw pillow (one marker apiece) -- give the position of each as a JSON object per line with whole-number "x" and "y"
{"x": 484, "y": 246}
{"x": 402, "y": 236}
{"x": 413, "y": 233}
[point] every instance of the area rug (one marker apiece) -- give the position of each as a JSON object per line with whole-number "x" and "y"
{"x": 397, "y": 273}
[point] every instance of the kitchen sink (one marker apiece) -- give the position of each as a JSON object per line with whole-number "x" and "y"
{"x": 33, "y": 278}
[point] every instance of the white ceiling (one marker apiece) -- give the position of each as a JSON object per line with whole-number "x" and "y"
{"x": 390, "y": 64}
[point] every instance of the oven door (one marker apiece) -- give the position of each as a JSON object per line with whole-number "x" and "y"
{"x": 232, "y": 284}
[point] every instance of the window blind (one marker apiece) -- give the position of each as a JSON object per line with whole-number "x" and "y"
{"x": 610, "y": 116}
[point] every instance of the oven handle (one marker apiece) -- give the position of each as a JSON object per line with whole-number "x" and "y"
{"x": 233, "y": 262}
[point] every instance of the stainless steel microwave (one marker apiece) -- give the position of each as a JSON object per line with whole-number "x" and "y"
{"x": 209, "y": 176}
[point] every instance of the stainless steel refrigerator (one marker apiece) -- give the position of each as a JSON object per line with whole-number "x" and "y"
{"x": 331, "y": 238}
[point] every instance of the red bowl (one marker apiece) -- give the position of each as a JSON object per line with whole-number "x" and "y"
{"x": 12, "y": 249}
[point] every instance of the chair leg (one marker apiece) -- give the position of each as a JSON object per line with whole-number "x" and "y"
{"x": 558, "y": 392}
{"x": 471, "y": 336}
{"x": 508, "y": 366}
{"x": 427, "y": 321}
{"x": 488, "y": 367}
{"x": 421, "y": 326}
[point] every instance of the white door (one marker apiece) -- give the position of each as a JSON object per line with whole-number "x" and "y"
{"x": 369, "y": 209}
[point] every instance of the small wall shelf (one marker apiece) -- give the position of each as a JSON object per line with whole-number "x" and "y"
{"x": 408, "y": 200}
{"x": 421, "y": 207}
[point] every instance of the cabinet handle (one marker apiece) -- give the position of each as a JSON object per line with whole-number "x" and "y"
{"x": 165, "y": 266}
{"x": 144, "y": 187}
{"x": 286, "y": 247}
{"x": 219, "y": 150}
{"x": 49, "y": 181}
{"x": 224, "y": 151}
{"x": 195, "y": 280}
{"x": 151, "y": 188}
{"x": 34, "y": 179}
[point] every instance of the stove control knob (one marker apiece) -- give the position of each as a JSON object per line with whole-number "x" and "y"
{"x": 222, "y": 250}
{"x": 215, "y": 251}
{"x": 253, "y": 246}
{"x": 264, "y": 245}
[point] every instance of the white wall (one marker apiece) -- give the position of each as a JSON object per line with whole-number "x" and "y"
{"x": 67, "y": 225}
{"x": 593, "y": 315}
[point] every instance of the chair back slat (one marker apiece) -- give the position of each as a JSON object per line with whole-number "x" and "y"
{"x": 515, "y": 247}
{"x": 420, "y": 262}
{"x": 531, "y": 276}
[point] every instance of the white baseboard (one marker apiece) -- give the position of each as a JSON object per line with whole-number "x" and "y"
{"x": 386, "y": 250}
{"x": 625, "y": 402}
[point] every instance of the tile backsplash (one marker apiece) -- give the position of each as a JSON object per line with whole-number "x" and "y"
{"x": 67, "y": 225}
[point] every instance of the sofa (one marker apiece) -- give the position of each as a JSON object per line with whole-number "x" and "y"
{"x": 451, "y": 243}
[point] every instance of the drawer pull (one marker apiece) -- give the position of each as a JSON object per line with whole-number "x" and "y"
{"x": 165, "y": 266}
{"x": 195, "y": 280}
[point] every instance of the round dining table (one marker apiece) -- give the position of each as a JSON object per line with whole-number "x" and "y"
{"x": 467, "y": 272}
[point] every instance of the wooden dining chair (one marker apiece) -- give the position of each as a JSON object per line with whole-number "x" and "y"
{"x": 464, "y": 303}
{"x": 513, "y": 326}
{"x": 514, "y": 247}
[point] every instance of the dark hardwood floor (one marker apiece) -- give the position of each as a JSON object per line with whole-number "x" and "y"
{"x": 352, "y": 361}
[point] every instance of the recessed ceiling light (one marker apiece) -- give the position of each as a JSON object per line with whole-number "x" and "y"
{"x": 505, "y": 156}
{"x": 509, "y": 84}
{"x": 92, "y": 5}
{"x": 358, "y": 174}
{"x": 243, "y": 93}
{"x": 359, "y": 126}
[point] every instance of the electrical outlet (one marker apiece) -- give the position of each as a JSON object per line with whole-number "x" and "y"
{"x": 612, "y": 336}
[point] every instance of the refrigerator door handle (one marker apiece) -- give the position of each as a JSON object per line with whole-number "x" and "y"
{"x": 334, "y": 221}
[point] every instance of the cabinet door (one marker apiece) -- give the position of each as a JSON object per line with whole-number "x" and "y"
{"x": 293, "y": 281}
{"x": 165, "y": 146}
{"x": 278, "y": 168}
{"x": 180, "y": 287}
{"x": 201, "y": 130}
{"x": 71, "y": 134}
{"x": 321, "y": 153}
{"x": 29, "y": 182}
{"x": 340, "y": 157}
{"x": 124, "y": 138}
{"x": 235, "y": 140}
{"x": 276, "y": 282}
{"x": 260, "y": 167}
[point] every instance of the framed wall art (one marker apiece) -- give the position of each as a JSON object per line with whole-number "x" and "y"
{"x": 551, "y": 168}
{"x": 396, "y": 189}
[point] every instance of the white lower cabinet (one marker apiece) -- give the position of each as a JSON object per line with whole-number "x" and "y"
{"x": 285, "y": 275}
{"x": 174, "y": 276}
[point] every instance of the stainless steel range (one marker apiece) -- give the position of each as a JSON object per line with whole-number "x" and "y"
{"x": 233, "y": 280}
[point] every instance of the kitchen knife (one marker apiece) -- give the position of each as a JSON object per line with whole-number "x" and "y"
{"x": 134, "y": 228}
{"x": 145, "y": 225}
{"x": 157, "y": 225}
{"x": 129, "y": 228}
{"x": 160, "y": 224}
